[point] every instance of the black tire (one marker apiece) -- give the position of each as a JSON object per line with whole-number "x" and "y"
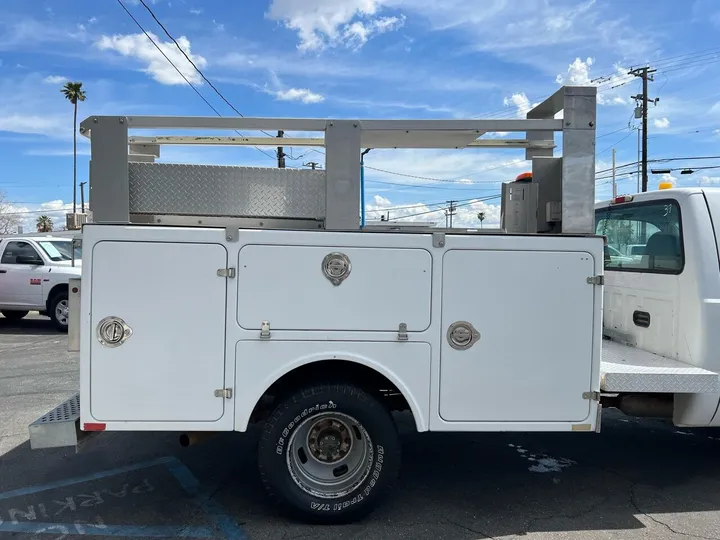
{"x": 60, "y": 298}
{"x": 14, "y": 315}
{"x": 308, "y": 408}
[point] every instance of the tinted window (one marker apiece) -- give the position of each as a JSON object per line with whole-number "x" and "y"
{"x": 15, "y": 249}
{"x": 642, "y": 237}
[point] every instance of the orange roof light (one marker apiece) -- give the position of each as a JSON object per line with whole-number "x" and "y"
{"x": 526, "y": 176}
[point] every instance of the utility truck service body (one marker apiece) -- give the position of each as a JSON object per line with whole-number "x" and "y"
{"x": 216, "y": 297}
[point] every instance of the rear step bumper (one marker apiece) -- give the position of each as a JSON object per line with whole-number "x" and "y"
{"x": 59, "y": 427}
{"x": 626, "y": 369}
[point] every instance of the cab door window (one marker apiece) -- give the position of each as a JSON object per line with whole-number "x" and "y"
{"x": 17, "y": 251}
{"x": 642, "y": 237}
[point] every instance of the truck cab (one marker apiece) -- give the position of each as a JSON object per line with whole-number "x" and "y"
{"x": 662, "y": 284}
{"x": 34, "y": 274}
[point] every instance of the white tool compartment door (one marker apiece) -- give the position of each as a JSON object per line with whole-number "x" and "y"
{"x": 533, "y": 311}
{"x": 288, "y": 286}
{"x": 171, "y": 297}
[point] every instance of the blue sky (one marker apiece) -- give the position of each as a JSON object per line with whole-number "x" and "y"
{"x": 361, "y": 59}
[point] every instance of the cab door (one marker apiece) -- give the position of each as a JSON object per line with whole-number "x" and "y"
{"x": 22, "y": 271}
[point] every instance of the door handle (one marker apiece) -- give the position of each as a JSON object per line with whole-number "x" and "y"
{"x": 3, "y": 271}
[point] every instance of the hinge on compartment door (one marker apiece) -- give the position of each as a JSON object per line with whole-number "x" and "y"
{"x": 402, "y": 332}
{"x": 265, "y": 330}
{"x": 592, "y": 396}
{"x": 224, "y": 392}
{"x": 226, "y": 272}
{"x": 596, "y": 280}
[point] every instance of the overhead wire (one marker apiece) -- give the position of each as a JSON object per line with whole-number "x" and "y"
{"x": 180, "y": 72}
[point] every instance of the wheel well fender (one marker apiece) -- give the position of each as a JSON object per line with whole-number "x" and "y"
{"x": 56, "y": 289}
{"x": 347, "y": 368}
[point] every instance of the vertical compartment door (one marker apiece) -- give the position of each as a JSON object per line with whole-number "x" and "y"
{"x": 173, "y": 302}
{"x": 532, "y": 358}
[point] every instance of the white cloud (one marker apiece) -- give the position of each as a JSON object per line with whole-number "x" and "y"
{"x": 21, "y": 123}
{"x": 138, "y": 46}
{"x": 709, "y": 180}
{"x": 196, "y": 11}
{"x": 521, "y": 103}
{"x": 578, "y": 74}
{"x": 55, "y": 79}
{"x": 661, "y": 123}
{"x": 434, "y": 213}
{"x": 92, "y": 20}
{"x": 299, "y": 94}
{"x": 331, "y": 23}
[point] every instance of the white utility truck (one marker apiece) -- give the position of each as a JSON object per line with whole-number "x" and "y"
{"x": 318, "y": 328}
{"x": 34, "y": 275}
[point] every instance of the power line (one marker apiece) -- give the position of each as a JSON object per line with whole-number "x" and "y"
{"x": 180, "y": 72}
{"x": 456, "y": 206}
{"x": 439, "y": 203}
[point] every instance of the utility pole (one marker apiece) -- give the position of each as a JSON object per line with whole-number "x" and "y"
{"x": 645, "y": 74}
{"x": 280, "y": 153}
{"x": 312, "y": 164}
{"x": 82, "y": 196}
{"x": 614, "y": 184}
{"x": 450, "y": 212}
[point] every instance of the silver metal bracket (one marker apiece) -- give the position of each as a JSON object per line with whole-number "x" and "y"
{"x": 438, "y": 239}
{"x": 596, "y": 280}
{"x": 402, "y": 332}
{"x": 226, "y": 272}
{"x": 592, "y": 396}
{"x": 224, "y": 393}
{"x": 232, "y": 234}
{"x": 265, "y": 330}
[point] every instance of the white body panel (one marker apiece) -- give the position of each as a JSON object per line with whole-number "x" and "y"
{"x": 534, "y": 340}
{"x": 27, "y": 286}
{"x": 412, "y": 366}
{"x": 406, "y": 365}
{"x": 169, "y": 368}
{"x": 269, "y": 290}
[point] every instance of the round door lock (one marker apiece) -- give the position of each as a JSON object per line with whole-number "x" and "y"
{"x": 113, "y": 332}
{"x": 462, "y": 335}
{"x": 336, "y": 267}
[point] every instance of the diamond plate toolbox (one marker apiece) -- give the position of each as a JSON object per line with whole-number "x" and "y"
{"x": 214, "y": 190}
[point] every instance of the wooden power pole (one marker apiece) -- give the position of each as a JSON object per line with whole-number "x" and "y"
{"x": 645, "y": 74}
{"x": 280, "y": 153}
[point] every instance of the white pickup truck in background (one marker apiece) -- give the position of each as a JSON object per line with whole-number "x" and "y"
{"x": 34, "y": 274}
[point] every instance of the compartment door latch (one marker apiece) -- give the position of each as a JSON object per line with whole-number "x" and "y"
{"x": 224, "y": 393}
{"x": 226, "y": 272}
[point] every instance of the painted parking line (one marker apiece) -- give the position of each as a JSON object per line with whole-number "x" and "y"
{"x": 224, "y": 523}
{"x": 129, "y": 531}
{"x": 86, "y": 478}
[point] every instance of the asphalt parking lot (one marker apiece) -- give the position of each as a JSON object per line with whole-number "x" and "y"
{"x": 637, "y": 479}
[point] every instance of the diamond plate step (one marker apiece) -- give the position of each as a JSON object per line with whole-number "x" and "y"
{"x": 627, "y": 369}
{"x": 59, "y": 427}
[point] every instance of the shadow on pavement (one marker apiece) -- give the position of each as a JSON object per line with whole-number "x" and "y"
{"x": 633, "y": 476}
{"x": 29, "y": 326}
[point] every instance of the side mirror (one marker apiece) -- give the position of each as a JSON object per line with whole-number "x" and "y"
{"x": 28, "y": 259}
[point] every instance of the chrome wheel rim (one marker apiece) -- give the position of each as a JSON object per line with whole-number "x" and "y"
{"x": 61, "y": 312}
{"x": 329, "y": 455}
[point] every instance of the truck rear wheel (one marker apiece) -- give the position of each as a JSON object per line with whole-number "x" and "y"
{"x": 59, "y": 310}
{"x": 329, "y": 453}
{"x": 14, "y": 315}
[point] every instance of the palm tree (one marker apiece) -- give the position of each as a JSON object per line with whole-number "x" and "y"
{"x": 481, "y": 217}
{"x": 73, "y": 93}
{"x": 44, "y": 224}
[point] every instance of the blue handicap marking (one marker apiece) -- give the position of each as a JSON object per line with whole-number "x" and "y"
{"x": 221, "y": 521}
